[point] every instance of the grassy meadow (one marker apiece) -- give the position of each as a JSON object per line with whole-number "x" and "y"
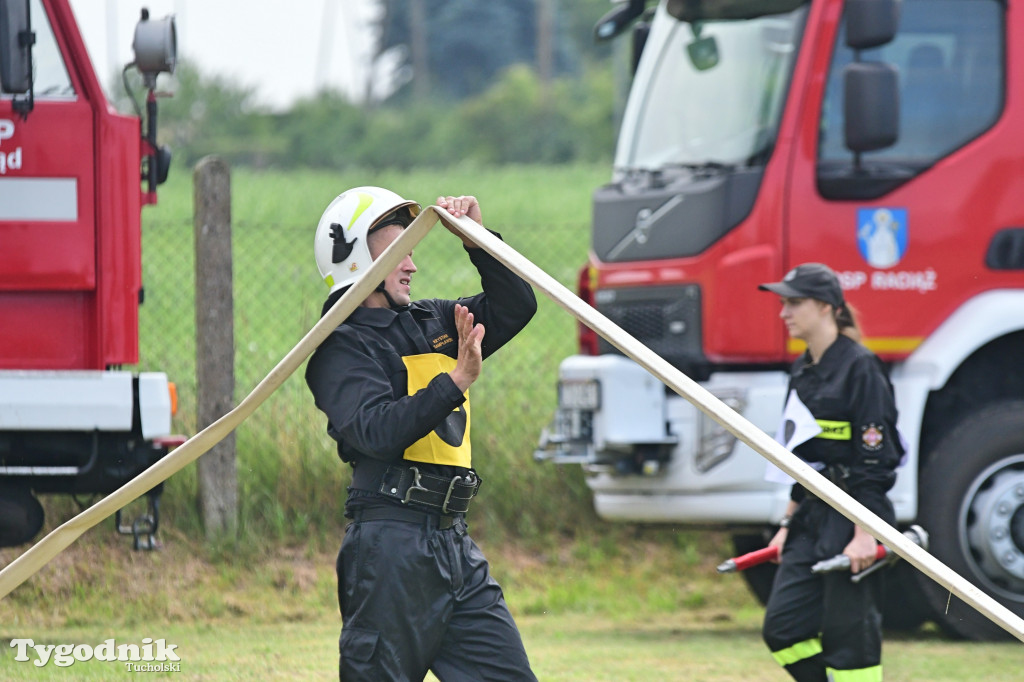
{"x": 638, "y": 606}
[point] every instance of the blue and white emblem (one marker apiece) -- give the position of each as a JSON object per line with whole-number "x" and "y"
{"x": 882, "y": 235}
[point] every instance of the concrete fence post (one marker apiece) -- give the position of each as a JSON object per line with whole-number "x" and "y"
{"x": 215, "y": 342}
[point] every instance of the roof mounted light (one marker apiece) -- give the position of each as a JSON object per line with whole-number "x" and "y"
{"x": 155, "y": 46}
{"x": 156, "y": 52}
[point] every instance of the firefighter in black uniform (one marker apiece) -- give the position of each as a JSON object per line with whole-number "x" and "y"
{"x": 414, "y": 590}
{"x": 825, "y": 627}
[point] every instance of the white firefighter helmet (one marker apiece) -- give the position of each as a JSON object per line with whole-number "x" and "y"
{"x": 342, "y": 254}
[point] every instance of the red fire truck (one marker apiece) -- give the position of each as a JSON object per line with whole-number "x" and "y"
{"x": 883, "y": 138}
{"x": 71, "y": 421}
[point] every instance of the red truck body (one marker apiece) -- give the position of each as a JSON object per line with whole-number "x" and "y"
{"x": 881, "y": 138}
{"x": 943, "y": 264}
{"x": 70, "y": 288}
{"x": 71, "y": 196}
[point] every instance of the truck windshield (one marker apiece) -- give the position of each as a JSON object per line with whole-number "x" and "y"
{"x": 51, "y": 74}
{"x": 739, "y": 69}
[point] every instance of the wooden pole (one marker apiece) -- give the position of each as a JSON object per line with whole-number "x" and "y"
{"x": 217, "y": 473}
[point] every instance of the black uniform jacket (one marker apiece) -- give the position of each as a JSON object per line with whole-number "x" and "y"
{"x": 849, "y": 394}
{"x": 359, "y": 380}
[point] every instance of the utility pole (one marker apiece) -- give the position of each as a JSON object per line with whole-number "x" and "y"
{"x": 324, "y": 53}
{"x": 545, "y": 44}
{"x": 418, "y": 47}
{"x": 112, "y": 40}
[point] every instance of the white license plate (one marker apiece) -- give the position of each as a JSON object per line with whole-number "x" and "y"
{"x": 579, "y": 395}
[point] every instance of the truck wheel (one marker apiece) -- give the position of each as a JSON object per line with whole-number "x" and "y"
{"x": 972, "y": 505}
{"x": 21, "y": 515}
{"x": 905, "y": 608}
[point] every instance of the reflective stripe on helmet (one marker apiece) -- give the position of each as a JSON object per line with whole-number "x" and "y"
{"x": 364, "y": 203}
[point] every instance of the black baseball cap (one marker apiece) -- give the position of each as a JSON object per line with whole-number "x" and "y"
{"x": 809, "y": 280}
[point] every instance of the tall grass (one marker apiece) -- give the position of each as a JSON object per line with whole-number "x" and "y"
{"x": 292, "y": 486}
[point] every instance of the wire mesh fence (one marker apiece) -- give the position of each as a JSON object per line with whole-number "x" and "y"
{"x": 289, "y": 475}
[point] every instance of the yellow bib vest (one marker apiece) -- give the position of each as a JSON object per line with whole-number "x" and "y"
{"x": 449, "y": 443}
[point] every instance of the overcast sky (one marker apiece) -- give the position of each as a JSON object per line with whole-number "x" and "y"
{"x": 284, "y": 48}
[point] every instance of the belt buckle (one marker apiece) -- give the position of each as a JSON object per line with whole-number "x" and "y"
{"x": 471, "y": 479}
{"x": 416, "y": 485}
{"x": 840, "y": 471}
{"x": 448, "y": 495}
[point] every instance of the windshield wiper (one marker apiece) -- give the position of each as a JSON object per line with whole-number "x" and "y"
{"x": 660, "y": 177}
{"x": 706, "y": 169}
{"x": 761, "y": 156}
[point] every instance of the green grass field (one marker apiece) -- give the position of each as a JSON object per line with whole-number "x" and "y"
{"x": 561, "y": 648}
{"x": 632, "y": 606}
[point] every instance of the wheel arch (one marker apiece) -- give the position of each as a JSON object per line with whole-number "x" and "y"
{"x": 970, "y": 361}
{"x": 986, "y": 376}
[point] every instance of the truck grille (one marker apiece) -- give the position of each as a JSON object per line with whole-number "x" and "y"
{"x": 665, "y": 319}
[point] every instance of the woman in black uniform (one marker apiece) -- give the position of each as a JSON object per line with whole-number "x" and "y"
{"x": 823, "y": 626}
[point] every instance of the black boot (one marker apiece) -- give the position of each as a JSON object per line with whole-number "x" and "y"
{"x": 808, "y": 670}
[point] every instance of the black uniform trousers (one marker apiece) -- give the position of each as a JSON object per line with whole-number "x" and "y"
{"x": 416, "y": 596}
{"x": 822, "y": 625}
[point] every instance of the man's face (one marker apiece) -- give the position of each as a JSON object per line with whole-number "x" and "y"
{"x": 398, "y": 283}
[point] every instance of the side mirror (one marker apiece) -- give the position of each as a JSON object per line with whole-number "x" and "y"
{"x": 870, "y": 23}
{"x": 163, "y": 163}
{"x": 16, "y": 39}
{"x": 641, "y": 32}
{"x": 615, "y": 21}
{"x": 870, "y": 106}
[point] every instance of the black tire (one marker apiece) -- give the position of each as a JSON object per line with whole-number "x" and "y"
{"x": 905, "y": 607}
{"x": 972, "y": 505}
{"x": 21, "y": 515}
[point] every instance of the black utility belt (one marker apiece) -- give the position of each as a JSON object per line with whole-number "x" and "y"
{"x": 395, "y": 512}
{"x": 838, "y": 474}
{"x": 412, "y": 487}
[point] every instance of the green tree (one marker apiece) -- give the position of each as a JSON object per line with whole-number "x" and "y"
{"x": 469, "y": 43}
{"x": 521, "y": 120}
{"x": 324, "y": 131}
{"x": 209, "y": 115}
{"x": 515, "y": 119}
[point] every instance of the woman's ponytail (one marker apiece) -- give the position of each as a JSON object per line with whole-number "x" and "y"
{"x": 846, "y": 320}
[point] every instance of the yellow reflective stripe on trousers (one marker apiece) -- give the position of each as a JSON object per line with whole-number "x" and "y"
{"x": 797, "y": 652}
{"x": 834, "y": 430}
{"x": 872, "y": 674}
